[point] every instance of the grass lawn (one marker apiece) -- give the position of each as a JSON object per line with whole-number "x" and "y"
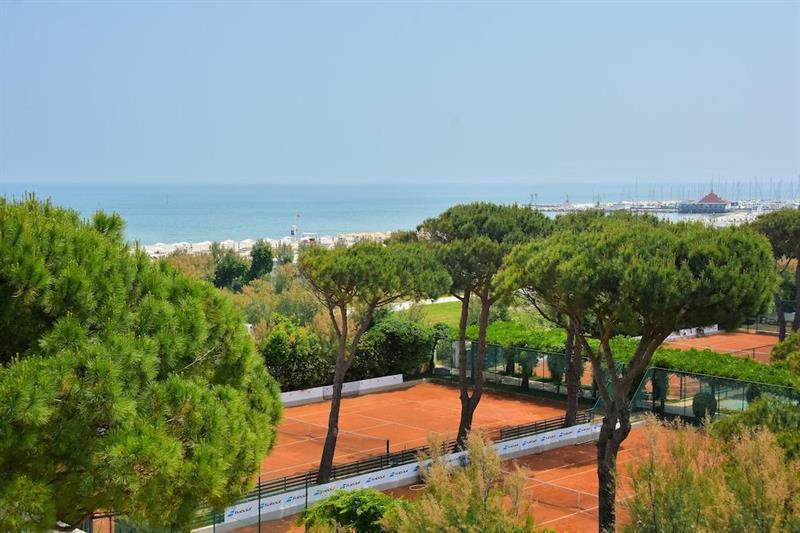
{"x": 447, "y": 312}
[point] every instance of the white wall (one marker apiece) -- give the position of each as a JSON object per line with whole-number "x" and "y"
{"x": 351, "y": 388}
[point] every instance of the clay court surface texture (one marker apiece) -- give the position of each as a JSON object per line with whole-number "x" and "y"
{"x": 562, "y": 484}
{"x": 750, "y": 345}
{"x": 404, "y": 417}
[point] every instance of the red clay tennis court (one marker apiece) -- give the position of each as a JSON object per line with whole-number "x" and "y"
{"x": 404, "y": 417}
{"x": 750, "y": 345}
{"x": 562, "y": 484}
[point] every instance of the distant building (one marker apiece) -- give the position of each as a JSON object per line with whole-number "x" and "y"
{"x": 710, "y": 203}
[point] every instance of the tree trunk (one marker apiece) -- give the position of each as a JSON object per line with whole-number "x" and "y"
{"x": 326, "y": 461}
{"x": 470, "y": 403}
{"x": 781, "y": 316}
{"x": 574, "y": 362}
{"x": 796, "y": 321}
{"x": 509, "y": 363}
{"x": 432, "y": 362}
{"x": 463, "y": 383}
{"x": 342, "y": 364}
{"x": 608, "y": 445}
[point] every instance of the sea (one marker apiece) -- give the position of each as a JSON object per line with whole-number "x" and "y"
{"x": 176, "y": 212}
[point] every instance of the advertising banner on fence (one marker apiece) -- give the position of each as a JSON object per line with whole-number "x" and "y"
{"x": 290, "y": 502}
{"x": 296, "y": 499}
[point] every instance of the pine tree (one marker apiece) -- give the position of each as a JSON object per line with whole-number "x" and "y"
{"x": 125, "y": 386}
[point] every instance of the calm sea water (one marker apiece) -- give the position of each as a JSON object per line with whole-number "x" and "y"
{"x": 197, "y": 212}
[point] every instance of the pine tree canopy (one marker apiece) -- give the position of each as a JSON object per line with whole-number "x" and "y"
{"x": 125, "y": 386}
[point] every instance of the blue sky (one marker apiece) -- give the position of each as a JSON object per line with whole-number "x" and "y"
{"x": 393, "y": 92}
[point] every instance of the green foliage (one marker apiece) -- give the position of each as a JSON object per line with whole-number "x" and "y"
{"x": 719, "y": 364}
{"x": 497, "y": 313}
{"x": 445, "y": 312}
{"x": 284, "y": 254}
{"x": 690, "y": 481}
{"x": 528, "y": 361}
{"x": 703, "y": 405}
{"x": 393, "y": 346}
{"x": 640, "y": 275}
{"x": 788, "y": 352}
{"x": 578, "y": 220}
{"x": 674, "y": 487}
{"x": 125, "y": 386}
{"x": 512, "y": 334}
{"x": 518, "y": 335}
{"x": 352, "y": 283}
{"x": 782, "y": 228}
{"x": 25, "y": 505}
{"x": 556, "y": 365}
{"x": 256, "y": 301}
{"x": 472, "y": 240}
{"x": 197, "y": 266}
{"x": 779, "y": 416}
{"x": 261, "y": 299}
{"x": 478, "y": 498}
{"x": 360, "y": 510}
{"x": 296, "y": 303}
{"x": 295, "y": 356}
{"x": 260, "y": 260}
{"x": 369, "y": 273}
{"x": 230, "y": 271}
{"x": 444, "y": 332}
{"x": 660, "y": 385}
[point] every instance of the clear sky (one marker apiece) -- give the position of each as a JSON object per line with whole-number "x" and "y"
{"x": 388, "y": 92}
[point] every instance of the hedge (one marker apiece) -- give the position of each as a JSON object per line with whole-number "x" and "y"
{"x": 512, "y": 334}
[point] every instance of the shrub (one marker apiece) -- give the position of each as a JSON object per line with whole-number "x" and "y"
{"x": 779, "y": 416}
{"x": 527, "y": 360}
{"x": 689, "y": 481}
{"x": 724, "y": 365}
{"x": 515, "y": 334}
{"x": 260, "y": 260}
{"x": 698, "y": 361}
{"x": 556, "y": 364}
{"x": 260, "y": 299}
{"x": 788, "y": 352}
{"x": 197, "y": 266}
{"x": 478, "y": 497}
{"x": 704, "y": 404}
{"x": 392, "y": 346}
{"x": 230, "y": 271}
{"x": 297, "y": 303}
{"x": 660, "y": 386}
{"x": 360, "y": 510}
{"x": 295, "y": 356}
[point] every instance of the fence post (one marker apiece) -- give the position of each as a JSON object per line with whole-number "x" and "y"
{"x": 306, "y": 504}
{"x": 259, "y": 499}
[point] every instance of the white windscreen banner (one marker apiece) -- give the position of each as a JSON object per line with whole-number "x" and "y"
{"x": 297, "y": 498}
{"x": 404, "y": 474}
{"x": 693, "y": 332}
{"x": 549, "y": 439}
{"x": 322, "y": 393}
